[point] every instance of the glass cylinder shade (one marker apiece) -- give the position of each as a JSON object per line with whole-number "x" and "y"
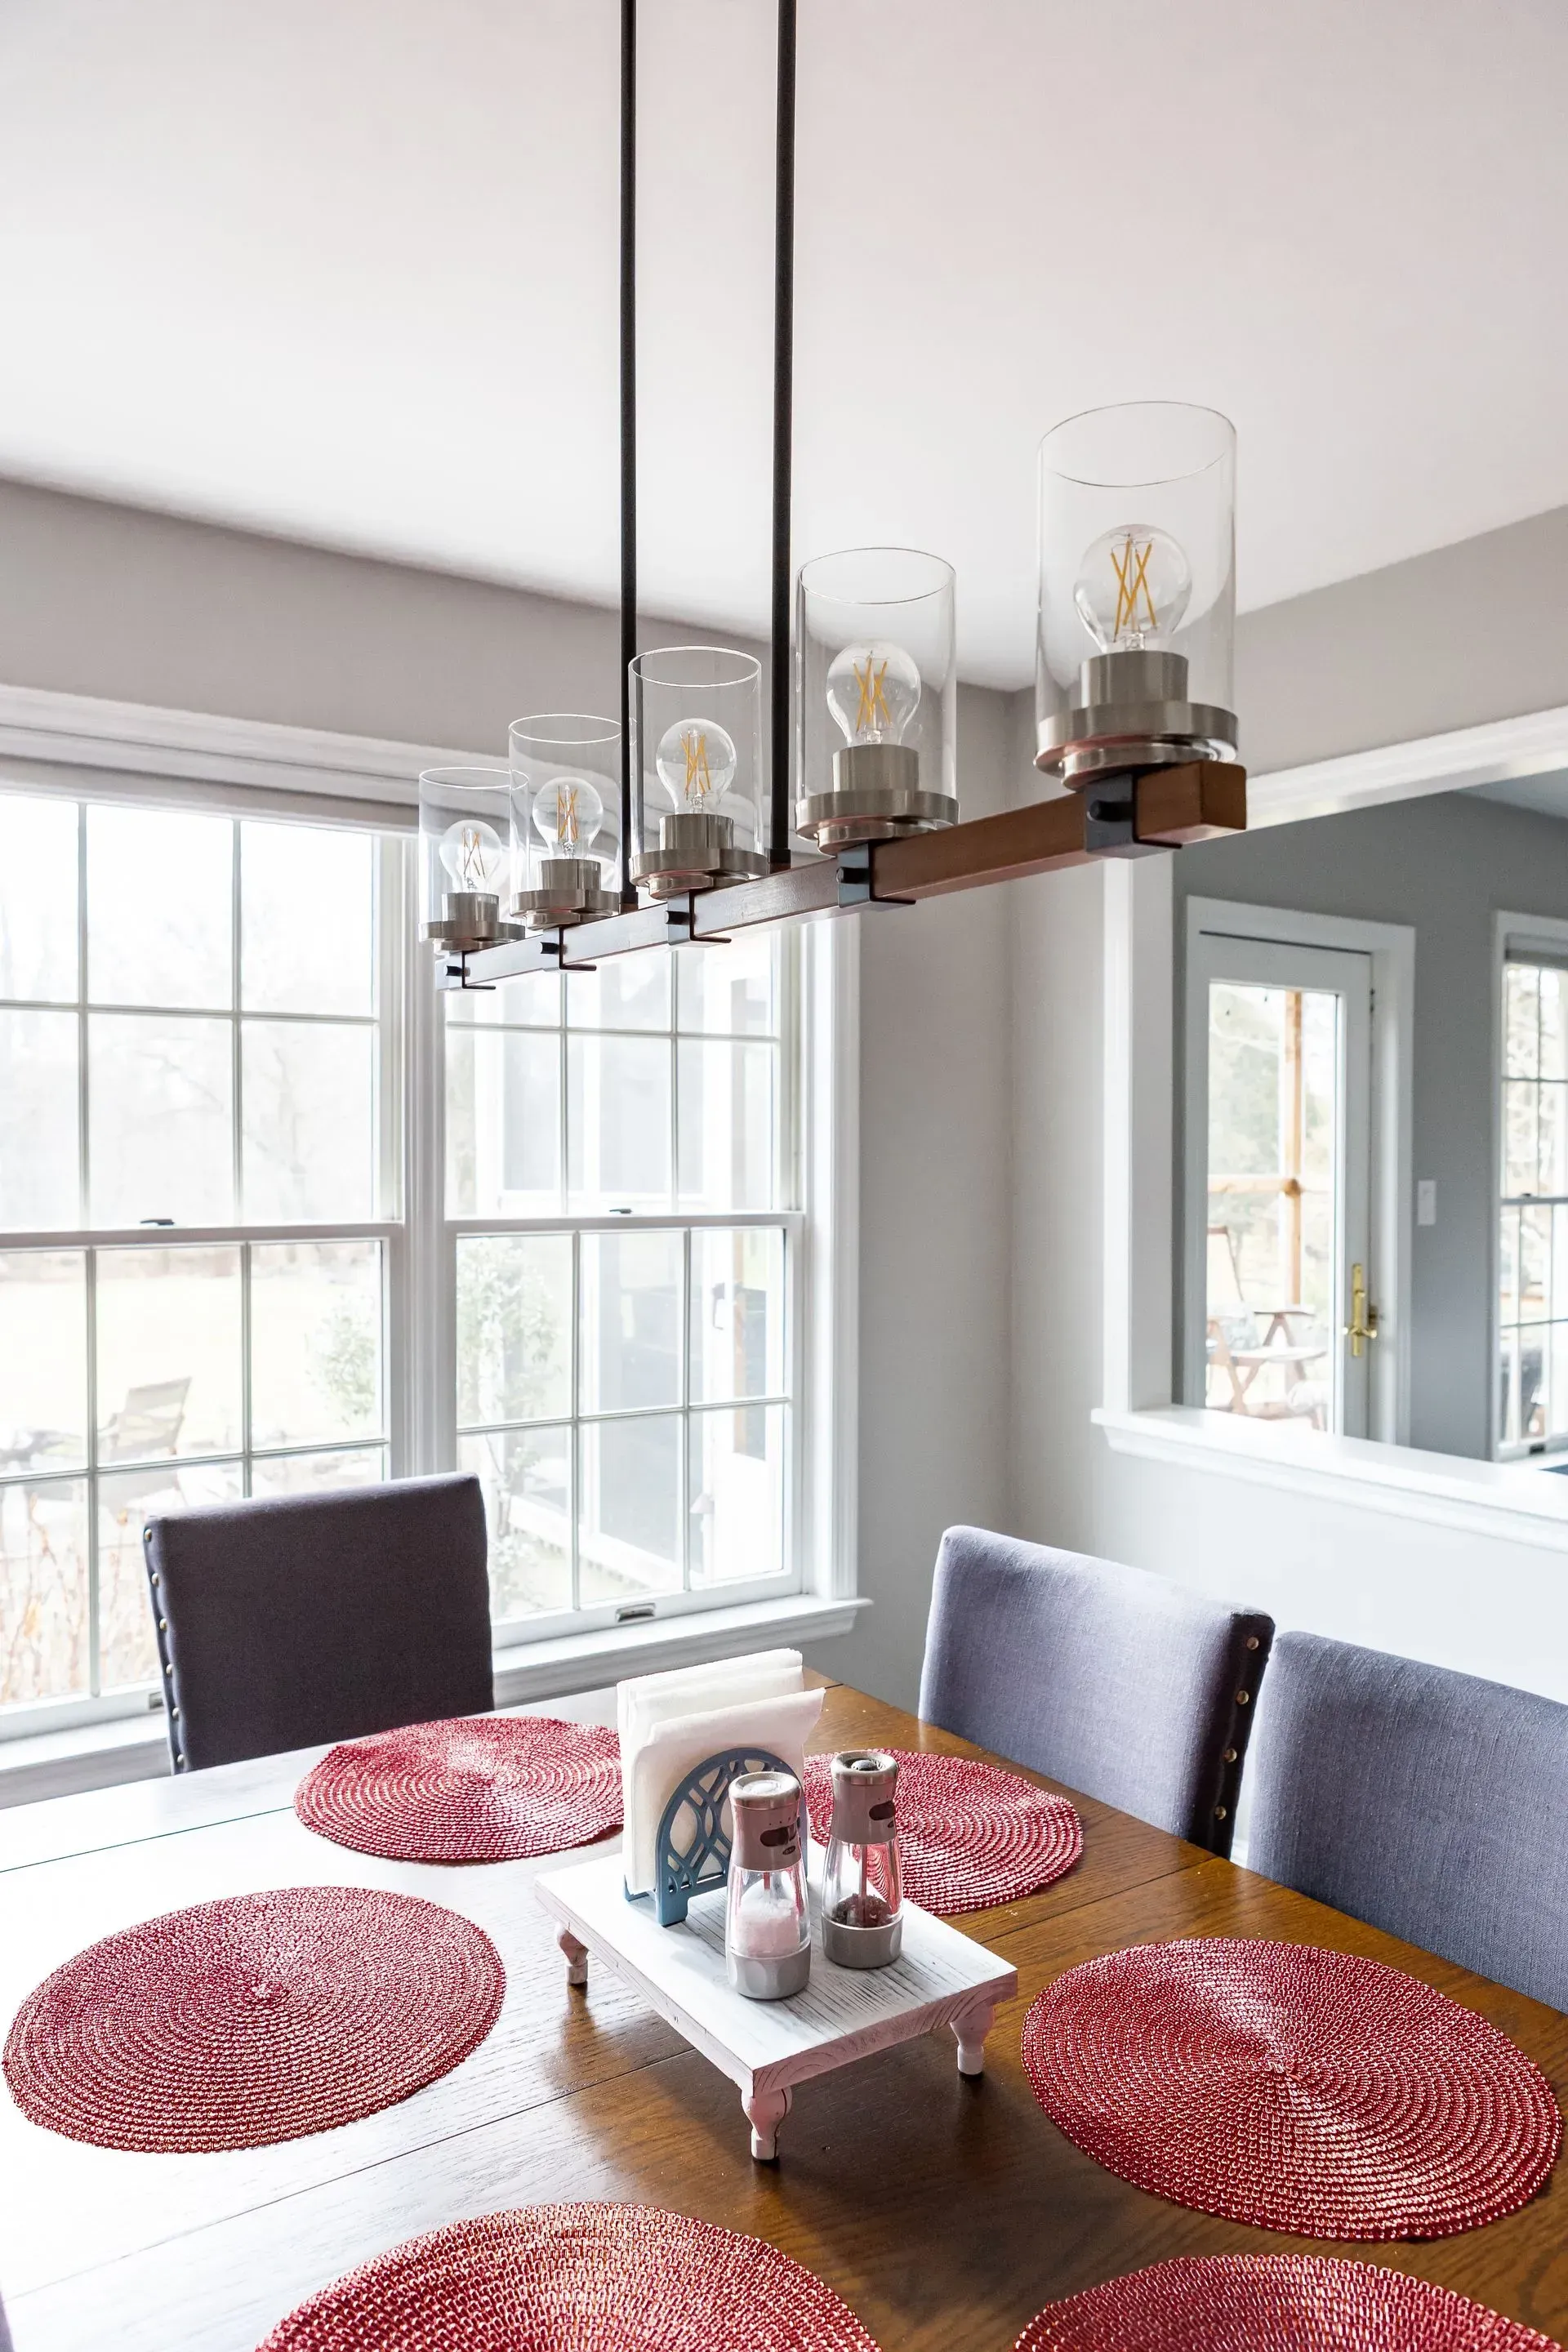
{"x": 1137, "y": 613}
{"x": 565, "y": 819}
{"x": 876, "y": 695}
{"x": 465, "y": 858}
{"x": 697, "y": 770}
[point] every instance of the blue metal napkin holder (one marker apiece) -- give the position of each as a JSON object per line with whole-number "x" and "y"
{"x": 682, "y": 1871}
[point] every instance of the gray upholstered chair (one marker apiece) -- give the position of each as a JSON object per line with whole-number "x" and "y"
{"x": 1428, "y": 1803}
{"x": 287, "y": 1622}
{"x": 1128, "y": 1688}
{"x": 4, "y": 2331}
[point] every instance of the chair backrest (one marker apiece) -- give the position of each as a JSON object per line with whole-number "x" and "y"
{"x": 1127, "y": 1687}
{"x": 4, "y": 2331}
{"x": 313, "y": 1617}
{"x": 147, "y": 1423}
{"x": 1428, "y": 1803}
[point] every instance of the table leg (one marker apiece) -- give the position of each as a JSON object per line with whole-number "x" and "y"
{"x": 970, "y": 2027}
{"x": 765, "y": 2110}
{"x": 576, "y": 1957}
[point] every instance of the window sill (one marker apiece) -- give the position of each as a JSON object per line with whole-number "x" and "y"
{"x": 1509, "y": 1502}
{"x": 105, "y": 1755}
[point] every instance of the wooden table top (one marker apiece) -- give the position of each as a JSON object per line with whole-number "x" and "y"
{"x": 944, "y": 2212}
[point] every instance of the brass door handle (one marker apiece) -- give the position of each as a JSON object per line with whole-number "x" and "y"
{"x": 1363, "y": 1325}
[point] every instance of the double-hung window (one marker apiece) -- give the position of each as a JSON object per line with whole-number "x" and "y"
{"x": 1532, "y": 1371}
{"x": 272, "y": 1221}
{"x": 622, "y": 1245}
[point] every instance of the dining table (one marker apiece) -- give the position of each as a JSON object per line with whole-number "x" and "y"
{"x": 944, "y": 2209}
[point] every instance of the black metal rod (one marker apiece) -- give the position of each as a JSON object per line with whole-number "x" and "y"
{"x": 783, "y": 432}
{"x": 628, "y": 421}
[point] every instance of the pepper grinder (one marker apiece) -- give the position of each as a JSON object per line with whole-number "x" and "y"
{"x": 767, "y": 1922}
{"x": 863, "y": 1896}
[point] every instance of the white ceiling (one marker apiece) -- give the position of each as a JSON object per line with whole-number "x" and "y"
{"x": 344, "y": 270}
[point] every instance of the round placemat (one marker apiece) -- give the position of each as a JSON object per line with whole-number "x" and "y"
{"x": 576, "y": 2278}
{"x": 1312, "y": 2092}
{"x": 1273, "y": 2303}
{"x": 970, "y": 1834}
{"x": 484, "y": 1788}
{"x": 259, "y": 2019}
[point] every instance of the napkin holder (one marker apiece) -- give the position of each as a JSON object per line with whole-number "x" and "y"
{"x": 691, "y": 1862}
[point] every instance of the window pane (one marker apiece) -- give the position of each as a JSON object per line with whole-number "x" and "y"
{"x": 1534, "y": 1264}
{"x": 737, "y": 1494}
{"x": 531, "y": 1002}
{"x": 726, "y": 1125}
{"x": 38, "y": 897}
{"x": 160, "y": 908}
{"x": 160, "y": 1129}
{"x": 317, "y": 1473}
{"x": 315, "y": 1342}
{"x": 307, "y": 925}
{"x": 526, "y": 1475}
{"x": 1551, "y": 1172}
{"x": 127, "y": 1499}
{"x": 503, "y": 1123}
{"x": 40, "y": 1168}
{"x": 737, "y": 1314}
{"x": 1553, "y": 1042}
{"x": 630, "y": 1333}
{"x": 1271, "y": 1240}
{"x": 44, "y": 1645}
{"x": 43, "y": 1360}
{"x": 1520, "y": 1013}
{"x": 310, "y": 1122}
{"x": 1507, "y": 1266}
{"x": 630, "y": 1535}
{"x": 1518, "y": 1100}
{"x": 514, "y": 1327}
{"x": 731, "y": 989}
{"x": 628, "y": 992}
{"x": 618, "y": 1123}
{"x": 168, "y": 1353}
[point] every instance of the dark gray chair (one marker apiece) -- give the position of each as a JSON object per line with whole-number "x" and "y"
{"x": 1124, "y": 1686}
{"x": 1428, "y": 1803}
{"x": 285, "y": 1623}
{"x": 4, "y": 2331}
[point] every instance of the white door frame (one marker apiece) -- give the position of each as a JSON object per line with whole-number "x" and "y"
{"x": 1246, "y": 944}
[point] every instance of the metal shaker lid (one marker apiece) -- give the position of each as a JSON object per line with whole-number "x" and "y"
{"x": 863, "y": 1780}
{"x": 765, "y": 1810}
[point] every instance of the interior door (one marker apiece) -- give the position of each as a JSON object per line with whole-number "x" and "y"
{"x": 1280, "y": 1289}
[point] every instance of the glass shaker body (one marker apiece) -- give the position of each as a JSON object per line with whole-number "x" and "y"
{"x": 863, "y": 1894}
{"x": 767, "y": 1919}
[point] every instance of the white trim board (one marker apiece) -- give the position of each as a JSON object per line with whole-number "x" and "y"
{"x": 134, "y": 747}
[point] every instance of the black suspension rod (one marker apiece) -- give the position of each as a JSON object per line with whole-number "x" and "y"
{"x": 784, "y": 426}
{"x": 628, "y": 421}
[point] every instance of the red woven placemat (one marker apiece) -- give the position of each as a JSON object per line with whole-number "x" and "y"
{"x": 970, "y": 1834}
{"x": 255, "y": 2020}
{"x": 1273, "y": 2303}
{"x": 1307, "y": 2091}
{"x": 485, "y": 1788}
{"x": 576, "y": 2278}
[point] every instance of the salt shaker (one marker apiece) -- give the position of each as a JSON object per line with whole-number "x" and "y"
{"x": 767, "y": 1922}
{"x": 863, "y": 1896}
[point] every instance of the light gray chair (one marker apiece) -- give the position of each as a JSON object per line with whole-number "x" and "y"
{"x": 4, "y": 2331}
{"x": 1115, "y": 1682}
{"x": 1428, "y": 1803}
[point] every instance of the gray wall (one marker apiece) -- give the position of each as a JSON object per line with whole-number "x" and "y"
{"x": 103, "y": 600}
{"x": 1445, "y": 866}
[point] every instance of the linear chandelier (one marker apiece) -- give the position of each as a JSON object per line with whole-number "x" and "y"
{"x": 602, "y": 836}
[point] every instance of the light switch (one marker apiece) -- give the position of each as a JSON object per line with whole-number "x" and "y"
{"x": 1427, "y": 1201}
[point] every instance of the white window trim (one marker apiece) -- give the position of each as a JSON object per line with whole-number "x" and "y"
{"x": 163, "y": 758}
{"x": 1504, "y": 1501}
{"x": 1391, "y": 949}
{"x": 1518, "y": 932}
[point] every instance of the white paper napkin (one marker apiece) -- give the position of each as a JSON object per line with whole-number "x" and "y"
{"x": 645, "y": 1700}
{"x": 780, "y": 1725}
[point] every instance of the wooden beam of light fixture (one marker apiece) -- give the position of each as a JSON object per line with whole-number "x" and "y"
{"x": 1201, "y": 800}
